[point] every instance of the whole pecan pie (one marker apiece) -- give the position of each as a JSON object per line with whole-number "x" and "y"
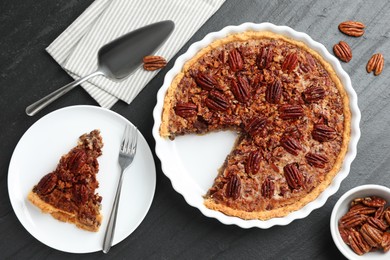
{"x": 68, "y": 193}
{"x": 291, "y": 112}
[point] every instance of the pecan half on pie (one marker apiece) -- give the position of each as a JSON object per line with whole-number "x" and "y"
{"x": 68, "y": 193}
{"x": 291, "y": 112}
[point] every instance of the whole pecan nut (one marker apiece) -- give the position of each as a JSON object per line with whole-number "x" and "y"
{"x": 293, "y": 176}
{"x": 291, "y": 145}
{"x": 205, "y": 81}
{"x": 343, "y": 51}
{"x": 154, "y": 62}
{"x": 308, "y": 65}
{"x": 185, "y": 109}
{"x": 267, "y": 188}
{"x": 274, "y": 92}
{"x": 350, "y": 220}
{"x": 316, "y": 160}
{"x": 377, "y": 223}
{"x": 313, "y": 93}
{"x": 46, "y": 185}
{"x": 376, "y": 64}
{"x": 265, "y": 57}
{"x": 76, "y": 160}
{"x": 241, "y": 89}
{"x": 233, "y": 187}
{"x": 255, "y": 125}
{"x": 385, "y": 244}
{"x": 352, "y": 28}
{"x": 323, "y": 133}
{"x": 372, "y": 235}
{"x": 357, "y": 242}
{"x": 252, "y": 165}
{"x": 293, "y": 112}
{"x": 235, "y": 60}
{"x": 217, "y": 101}
{"x": 373, "y": 201}
{"x": 290, "y": 62}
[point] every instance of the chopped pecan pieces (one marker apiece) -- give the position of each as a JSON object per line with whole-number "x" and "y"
{"x": 265, "y": 57}
{"x": 255, "y": 125}
{"x": 152, "y": 63}
{"x": 352, "y": 28}
{"x": 252, "y": 165}
{"x": 241, "y": 89}
{"x": 291, "y": 145}
{"x": 292, "y": 112}
{"x": 267, "y": 188}
{"x": 376, "y": 64}
{"x": 217, "y": 101}
{"x": 290, "y": 62}
{"x": 313, "y": 94}
{"x": 235, "y": 60}
{"x": 323, "y": 133}
{"x": 233, "y": 187}
{"x": 205, "y": 81}
{"x": 316, "y": 160}
{"x": 185, "y": 109}
{"x": 274, "y": 92}
{"x": 293, "y": 176}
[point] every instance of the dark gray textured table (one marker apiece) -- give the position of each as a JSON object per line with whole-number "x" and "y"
{"x": 172, "y": 229}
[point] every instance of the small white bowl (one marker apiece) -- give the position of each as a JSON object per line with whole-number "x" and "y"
{"x": 342, "y": 206}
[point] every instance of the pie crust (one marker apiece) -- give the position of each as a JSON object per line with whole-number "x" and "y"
{"x": 68, "y": 193}
{"x": 292, "y": 151}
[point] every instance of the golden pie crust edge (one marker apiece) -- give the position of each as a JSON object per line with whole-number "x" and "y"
{"x": 283, "y": 211}
{"x": 61, "y": 214}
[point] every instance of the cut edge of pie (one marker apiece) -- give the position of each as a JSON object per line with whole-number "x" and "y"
{"x": 313, "y": 194}
{"x": 65, "y": 198}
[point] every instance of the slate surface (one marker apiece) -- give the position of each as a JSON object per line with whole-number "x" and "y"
{"x": 172, "y": 229}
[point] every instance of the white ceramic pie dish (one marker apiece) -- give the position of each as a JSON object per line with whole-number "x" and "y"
{"x": 190, "y": 160}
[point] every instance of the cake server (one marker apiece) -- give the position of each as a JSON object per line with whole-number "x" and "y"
{"x": 117, "y": 59}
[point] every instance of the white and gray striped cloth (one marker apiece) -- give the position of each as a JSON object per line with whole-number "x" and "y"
{"x": 104, "y": 20}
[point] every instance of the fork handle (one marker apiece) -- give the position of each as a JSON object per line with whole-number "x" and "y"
{"x": 110, "y": 231}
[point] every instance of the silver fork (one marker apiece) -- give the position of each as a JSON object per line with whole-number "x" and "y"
{"x": 126, "y": 156}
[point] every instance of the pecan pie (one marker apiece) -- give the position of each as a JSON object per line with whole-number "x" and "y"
{"x": 291, "y": 112}
{"x": 68, "y": 193}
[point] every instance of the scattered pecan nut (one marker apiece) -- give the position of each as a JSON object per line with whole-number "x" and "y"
{"x": 185, "y": 109}
{"x": 352, "y": 28}
{"x": 152, "y": 63}
{"x": 233, "y": 187}
{"x": 376, "y": 64}
{"x": 235, "y": 60}
{"x": 343, "y": 51}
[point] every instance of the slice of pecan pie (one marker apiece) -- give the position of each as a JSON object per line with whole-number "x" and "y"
{"x": 289, "y": 107}
{"x": 68, "y": 193}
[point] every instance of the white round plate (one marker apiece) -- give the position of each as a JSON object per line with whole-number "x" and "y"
{"x": 191, "y": 162}
{"x": 38, "y": 153}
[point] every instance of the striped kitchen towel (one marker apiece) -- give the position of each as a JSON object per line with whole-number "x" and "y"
{"x": 105, "y": 20}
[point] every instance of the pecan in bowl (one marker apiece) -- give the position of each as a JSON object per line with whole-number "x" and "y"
{"x": 359, "y": 225}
